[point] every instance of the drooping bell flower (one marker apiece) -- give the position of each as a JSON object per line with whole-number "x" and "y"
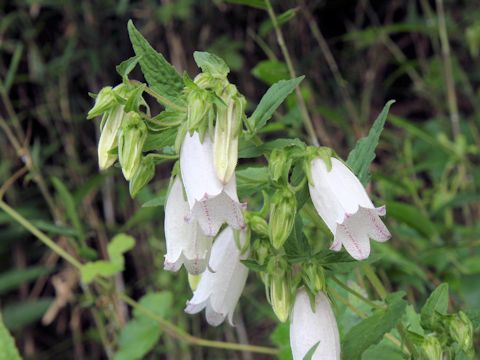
{"x": 227, "y": 129}
{"x": 186, "y": 243}
{"x": 309, "y": 327}
{"x": 212, "y": 203}
{"x": 343, "y": 204}
{"x": 222, "y": 283}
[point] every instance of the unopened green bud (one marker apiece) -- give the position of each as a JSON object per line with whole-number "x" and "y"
{"x": 108, "y": 138}
{"x": 193, "y": 281}
{"x": 198, "y": 105}
{"x": 461, "y": 330}
{"x": 104, "y": 101}
{"x": 261, "y": 251}
{"x": 227, "y": 128}
{"x": 282, "y": 216}
{"x": 278, "y": 164}
{"x": 280, "y": 289}
{"x": 314, "y": 277}
{"x": 257, "y": 224}
{"x": 431, "y": 349}
{"x": 131, "y": 138}
{"x": 142, "y": 176}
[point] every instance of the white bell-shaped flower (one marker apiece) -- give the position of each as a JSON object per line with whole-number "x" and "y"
{"x": 212, "y": 203}
{"x": 310, "y": 327}
{"x": 343, "y": 204}
{"x": 186, "y": 243}
{"x": 222, "y": 283}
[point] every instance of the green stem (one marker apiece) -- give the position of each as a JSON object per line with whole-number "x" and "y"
{"x": 301, "y": 101}
{"x": 170, "y": 328}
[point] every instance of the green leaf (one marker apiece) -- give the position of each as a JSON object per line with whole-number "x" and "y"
{"x": 271, "y": 71}
{"x": 282, "y": 19}
{"x": 436, "y": 303}
{"x": 159, "y": 73}
{"x": 125, "y": 67}
{"x": 363, "y": 154}
{"x": 258, "y": 4}
{"x": 254, "y": 265}
{"x": 158, "y": 140}
{"x": 371, "y": 330}
{"x": 413, "y": 217}
{"x": 211, "y": 63}
{"x": 309, "y": 354}
{"x": 250, "y": 150}
{"x": 12, "y": 69}
{"x": 70, "y": 207}
{"x": 156, "y": 201}
{"x": 271, "y": 101}
{"x": 251, "y": 180}
{"x": 141, "y": 334}
{"x": 385, "y": 349}
{"x": 280, "y": 337}
{"x": 14, "y": 278}
{"x": 20, "y": 314}
{"x": 119, "y": 245}
{"x": 7, "y": 344}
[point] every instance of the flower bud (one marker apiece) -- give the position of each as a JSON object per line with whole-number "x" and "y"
{"x": 227, "y": 127}
{"x": 142, "y": 176}
{"x": 193, "y": 281}
{"x": 260, "y": 251}
{"x": 282, "y": 216}
{"x": 108, "y": 138}
{"x": 461, "y": 330}
{"x": 314, "y": 277}
{"x": 280, "y": 292}
{"x": 257, "y": 224}
{"x": 198, "y": 106}
{"x": 104, "y": 101}
{"x": 431, "y": 349}
{"x": 278, "y": 162}
{"x": 131, "y": 138}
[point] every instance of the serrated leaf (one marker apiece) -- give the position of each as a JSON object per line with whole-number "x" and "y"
{"x": 125, "y": 67}
{"x": 363, "y": 153}
{"x": 271, "y": 71}
{"x": 159, "y": 73}
{"x": 211, "y": 63}
{"x": 371, "y": 330}
{"x": 436, "y": 303}
{"x": 7, "y": 344}
{"x": 271, "y": 101}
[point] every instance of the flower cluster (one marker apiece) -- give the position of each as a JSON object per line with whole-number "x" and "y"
{"x": 208, "y": 229}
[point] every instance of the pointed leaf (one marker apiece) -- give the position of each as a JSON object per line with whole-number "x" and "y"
{"x": 7, "y": 344}
{"x": 363, "y": 153}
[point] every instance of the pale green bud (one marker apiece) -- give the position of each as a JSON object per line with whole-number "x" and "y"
{"x": 282, "y": 216}
{"x": 278, "y": 164}
{"x": 104, "y": 101}
{"x": 131, "y": 138}
{"x": 225, "y": 144}
{"x": 142, "y": 176}
{"x": 260, "y": 251}
{"x": 431, "y": 349}
{"x": 198, "y": 106}
{"x": 108, "y": 138}
{"x": 314, "y": 277}
{"x": 461, "y": 330}
{"x": 193, "y": 281}
{"x": 257, "y": 224}
{"x": 280, "y": 292}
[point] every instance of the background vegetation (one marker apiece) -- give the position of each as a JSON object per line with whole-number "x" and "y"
{"x": 356, "y": 55}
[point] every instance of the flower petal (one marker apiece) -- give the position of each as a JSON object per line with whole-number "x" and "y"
{"x": 220, "y": 288}
{"x": 186, "y": 243}
{"x": 376, "y": 229}
{"x": 198, "y": 173}
{"x": 309, "y": 327}
{"x": 354, "y": 239}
